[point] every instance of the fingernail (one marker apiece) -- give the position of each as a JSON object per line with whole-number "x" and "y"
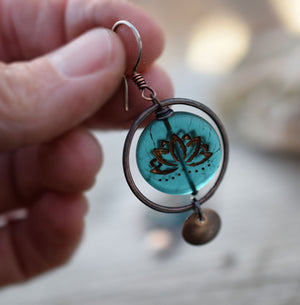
{"x": 85, "y": 55}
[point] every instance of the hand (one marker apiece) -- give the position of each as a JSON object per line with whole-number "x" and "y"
{"x": 61, "y": 70}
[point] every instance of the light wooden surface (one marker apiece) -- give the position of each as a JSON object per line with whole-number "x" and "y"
{"x": 254, "y": 260}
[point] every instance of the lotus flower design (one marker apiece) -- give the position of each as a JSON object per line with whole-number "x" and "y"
{"x": 179, "y": 153}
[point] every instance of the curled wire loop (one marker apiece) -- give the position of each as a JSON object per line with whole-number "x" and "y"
{"x": 148, "y": 93}
{"x": 139, "y": 81}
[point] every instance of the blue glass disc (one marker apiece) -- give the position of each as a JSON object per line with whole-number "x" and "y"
{"x": 179, "y": 155}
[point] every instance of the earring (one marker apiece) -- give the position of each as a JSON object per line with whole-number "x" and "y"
{"x": 177, "y": 153}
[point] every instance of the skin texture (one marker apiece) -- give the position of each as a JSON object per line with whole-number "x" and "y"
{"x": 61, "y": 73}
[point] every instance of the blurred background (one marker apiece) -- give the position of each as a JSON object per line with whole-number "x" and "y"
{"x": 242, "y": 59}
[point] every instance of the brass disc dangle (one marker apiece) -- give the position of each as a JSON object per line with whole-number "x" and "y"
{"x": 197, "y": 231}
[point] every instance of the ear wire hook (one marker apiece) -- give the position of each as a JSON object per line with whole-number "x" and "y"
{"x": 140, "y": 49}
{"x": 137, "y": 37}
{"x": 136, "y": 77}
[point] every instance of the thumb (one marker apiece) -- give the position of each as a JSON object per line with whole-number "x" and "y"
{"x": 44, "y": 98}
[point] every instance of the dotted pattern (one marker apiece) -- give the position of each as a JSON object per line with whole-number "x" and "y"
{"x": 179, "y": 174}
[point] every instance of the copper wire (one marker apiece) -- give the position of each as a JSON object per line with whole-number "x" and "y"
{"x": 148, "y": 93}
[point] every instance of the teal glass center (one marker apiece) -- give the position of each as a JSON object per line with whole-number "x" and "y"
{"x": 179, "y": 155}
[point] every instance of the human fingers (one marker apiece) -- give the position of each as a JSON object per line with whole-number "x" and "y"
{"x": 46, "y": 238}
{"x": 105, "y": 13}
{"x": 113, "y": 115}
{"x": 46, "y": 97}
{"x": 32, "y": 28}
{"x": 66, "y": 165}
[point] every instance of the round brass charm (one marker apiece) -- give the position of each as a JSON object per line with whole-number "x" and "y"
{"x": 198, "y": 232}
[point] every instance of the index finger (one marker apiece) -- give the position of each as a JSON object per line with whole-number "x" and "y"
{"x": 32, "y": 28}
{"x": 106, "y": 14}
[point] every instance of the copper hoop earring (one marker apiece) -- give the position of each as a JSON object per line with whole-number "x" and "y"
{"x": 178, "y": 153}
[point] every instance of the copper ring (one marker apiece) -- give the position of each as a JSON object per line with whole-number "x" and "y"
{"x": 137, "y": 124}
